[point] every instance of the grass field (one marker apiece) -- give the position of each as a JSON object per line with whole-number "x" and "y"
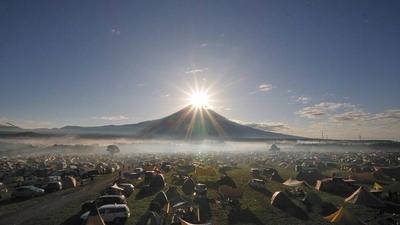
{"x": 255, "y": 206}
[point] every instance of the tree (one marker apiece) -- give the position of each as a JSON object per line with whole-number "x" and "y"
{"x": 112, "y": 149}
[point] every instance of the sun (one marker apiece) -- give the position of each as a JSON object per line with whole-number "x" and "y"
{"x": 199, "y": 99}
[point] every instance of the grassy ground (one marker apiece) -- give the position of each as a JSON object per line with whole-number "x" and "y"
{"x": 255, "y": 206}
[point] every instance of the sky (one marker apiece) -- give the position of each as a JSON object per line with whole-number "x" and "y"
{"x": 297, "y": 67}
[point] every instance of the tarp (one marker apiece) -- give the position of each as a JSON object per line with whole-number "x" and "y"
{"x": 205, "y": 171}
{"x": 293, "y": 182}
{"x": 344, "y": 217}
{"x": 363, "y": 197}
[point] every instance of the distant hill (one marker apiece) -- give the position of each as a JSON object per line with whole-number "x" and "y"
{"x": 187, "y": 123}
{"x": 9, "y": 128}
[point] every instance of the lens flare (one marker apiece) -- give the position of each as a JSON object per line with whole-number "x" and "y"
{"x": 199, "y": 99}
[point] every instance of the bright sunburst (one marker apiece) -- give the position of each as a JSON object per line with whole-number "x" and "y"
{"x": 199, "y": 99}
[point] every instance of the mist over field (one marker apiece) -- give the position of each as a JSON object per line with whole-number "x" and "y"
{"x": 74, "y": 145}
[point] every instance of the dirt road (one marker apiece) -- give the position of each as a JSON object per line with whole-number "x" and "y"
{"x": 53, "y": 204}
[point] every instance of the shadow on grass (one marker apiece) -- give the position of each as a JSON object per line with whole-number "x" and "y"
{"x": 263, "y": 191}
{"x": 243, "y": 216}
{"x": 146, "y": 191}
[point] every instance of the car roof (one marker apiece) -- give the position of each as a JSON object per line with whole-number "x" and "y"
{"x": 112, "y": 196}
{"x": 114, "y": 206}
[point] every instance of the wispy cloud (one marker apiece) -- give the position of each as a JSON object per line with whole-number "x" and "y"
{"x": 115, "y": 32}
{"x": 266, "y": 126}
{"x": 195, "y": 71}
{"x": 264, "y": 87}
{"x": 355, "y": 115}
{"x": 204, "y": 45}
{"x": 110, "y": 118}
{"x": 166, "y": 95}
{"x": 323, "y": 108}
{"x": 303, "y": 99}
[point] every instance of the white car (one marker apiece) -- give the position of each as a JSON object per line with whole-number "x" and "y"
{"x": 257, "y": 184}
{"x": 115, "y": 213}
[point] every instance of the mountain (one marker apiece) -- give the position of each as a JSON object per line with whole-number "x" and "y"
{"x": 203, "y": 123}
{"x": 187, "y": 123}
{"x": 6, "y": 127}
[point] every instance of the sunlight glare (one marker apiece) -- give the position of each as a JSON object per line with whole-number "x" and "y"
{"x": 199, "y": 99}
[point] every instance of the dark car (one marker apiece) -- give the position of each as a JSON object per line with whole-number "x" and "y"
{"x": 103, "y": 200}
{"x": 53, "y": 186}
{"x": 27, "y": 191}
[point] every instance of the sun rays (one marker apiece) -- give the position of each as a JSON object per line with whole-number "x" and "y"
{"x": 199, "y": 99}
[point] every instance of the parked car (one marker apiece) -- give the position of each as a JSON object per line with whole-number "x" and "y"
{"x": 115, "y": 213}
{"x": 257, "y": 183}
{"x": 103, "y": 200}
{"x": 53, "y": 186}
{"x": 128, "y": 188}
{"x": 27, "y": 191}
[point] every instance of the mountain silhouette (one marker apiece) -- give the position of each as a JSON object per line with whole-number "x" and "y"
{"x": 189, "y": 123}
{"x": 203, "y": 123}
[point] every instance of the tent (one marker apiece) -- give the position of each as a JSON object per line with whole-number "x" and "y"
{"x": 334, "y": 186}
{"x": 281, "y": 201}
{"x": 310, "y": 176}
{"x": 205, "y": 171}
{"x": 229, "y": 192}
{"x": 94, "y": 217}
{"x": 161, "y": 198}
{"x": 275, "y": 177}
{"x": 157, "y": 181}
{"x": 293, "y": 182}
{"x": 363, "y": 197}
{"x": 226, "y": 180}
{"x": 377, "y": 187}
{"x": 68, "y": 182}
{"x": 344, "y": 216}
{"x": 187, "y": 223}
{"x": 188, "y": 186}
{"x": 172, "y": 192}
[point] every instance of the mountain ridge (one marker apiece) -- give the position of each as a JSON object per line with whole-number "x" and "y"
{"x": 187, "y": 123}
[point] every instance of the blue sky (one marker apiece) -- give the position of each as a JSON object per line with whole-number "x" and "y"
{"x": 290, "y": 66}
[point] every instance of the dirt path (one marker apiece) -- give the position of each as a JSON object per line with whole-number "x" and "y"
{"x": 27, "y": 215}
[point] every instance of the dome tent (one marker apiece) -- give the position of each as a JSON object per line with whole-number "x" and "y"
{"x": 227, "y": 181}
{"x": 188, "y": 186}
{"x": 157, "y": 181}
{"x": 344, "y": 217}
{"x": 363, "y": 197}
{"x": 281, "y": 201}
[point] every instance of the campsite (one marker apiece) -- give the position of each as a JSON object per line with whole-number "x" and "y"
{"x": 261, "y": 187}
